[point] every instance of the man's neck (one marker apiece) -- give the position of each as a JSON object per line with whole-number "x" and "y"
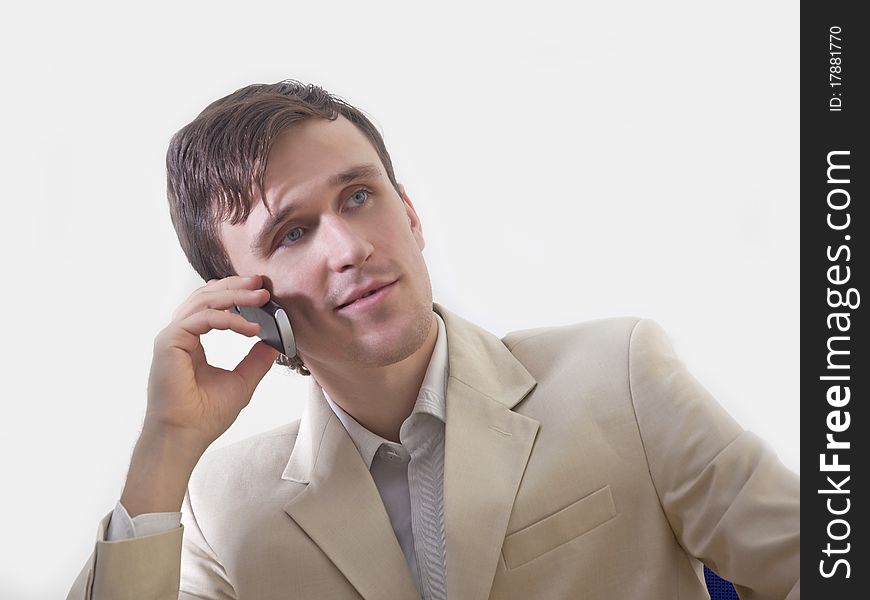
{"x": 381, "y": 398}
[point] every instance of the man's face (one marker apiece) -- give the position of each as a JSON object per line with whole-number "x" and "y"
{"x": 341, "y": 235}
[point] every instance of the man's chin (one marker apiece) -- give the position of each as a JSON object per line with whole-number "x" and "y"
{"x": 386, "y": 345}
{"x": 383, "y": 355}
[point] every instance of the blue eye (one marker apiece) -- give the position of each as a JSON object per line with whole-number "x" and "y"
{"x": 291, "y": 238}
{"x": 355, "y": 194}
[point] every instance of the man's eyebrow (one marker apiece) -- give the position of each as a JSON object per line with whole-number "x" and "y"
{"x": 354, "y": 173}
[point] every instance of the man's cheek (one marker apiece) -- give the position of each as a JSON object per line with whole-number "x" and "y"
{"x": 303, "y": 312}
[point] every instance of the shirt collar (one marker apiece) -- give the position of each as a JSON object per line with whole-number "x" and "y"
{"x": 430, "y": 400}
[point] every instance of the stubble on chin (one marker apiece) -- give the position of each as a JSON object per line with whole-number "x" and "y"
{"x": 406, "y": 342}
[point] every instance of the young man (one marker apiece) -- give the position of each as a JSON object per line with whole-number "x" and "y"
{"x": 433, "y": 459}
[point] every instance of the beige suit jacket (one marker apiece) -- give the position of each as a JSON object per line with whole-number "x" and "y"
{"x": 580, "y": 462}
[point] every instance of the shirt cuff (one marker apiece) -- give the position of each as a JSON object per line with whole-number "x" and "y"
{"x": 123, "y": 527}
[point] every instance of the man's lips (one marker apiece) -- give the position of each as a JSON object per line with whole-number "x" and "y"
{"x": 365, "y": 294}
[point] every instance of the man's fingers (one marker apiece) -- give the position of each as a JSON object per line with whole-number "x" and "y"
{"x": 256, "y": 364}
{"x": 220, "y": 299}
{"x": 207, "y": 320}
{"x": 235, "y": 282}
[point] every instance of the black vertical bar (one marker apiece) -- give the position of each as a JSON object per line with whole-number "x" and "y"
{"x": 835, "y": 369}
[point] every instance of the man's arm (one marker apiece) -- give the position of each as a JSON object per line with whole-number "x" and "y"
{"x": 177, "y": 563}
{"x": 190, "y": 404}
{"x": 730, "y": 502}
{"x": 122, "y": 527}
{"x": 145, "y": 567}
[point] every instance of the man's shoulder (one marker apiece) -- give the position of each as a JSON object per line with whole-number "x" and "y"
{"x": 615, "y": 348}
{"x": 267, "y": 451}
{"x": 598, "y": 335}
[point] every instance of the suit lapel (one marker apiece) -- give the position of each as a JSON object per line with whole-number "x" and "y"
{"x": 487, "y": 447}
{"x": 340, "y": 508}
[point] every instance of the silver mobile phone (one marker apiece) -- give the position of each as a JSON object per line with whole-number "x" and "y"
{"x": 274, "y": 323}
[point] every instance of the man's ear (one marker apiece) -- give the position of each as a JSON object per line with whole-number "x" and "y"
{"x": 413, "y": 218}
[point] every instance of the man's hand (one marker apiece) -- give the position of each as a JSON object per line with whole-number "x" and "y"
{"x": 188, "y": 396}
{"x": 190, "y": 402}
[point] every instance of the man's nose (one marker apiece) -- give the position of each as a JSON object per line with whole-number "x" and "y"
{"x": 344, "y": 245}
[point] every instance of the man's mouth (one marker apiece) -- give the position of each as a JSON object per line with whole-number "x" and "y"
{"x": 366, "y": 295}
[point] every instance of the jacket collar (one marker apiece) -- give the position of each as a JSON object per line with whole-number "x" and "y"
{"x": 487, "y": 446}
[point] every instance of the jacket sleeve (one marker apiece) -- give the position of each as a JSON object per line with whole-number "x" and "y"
{"x": 729, "y": 500}
{"x": 144, "y": 567}
{"x": 172, "y": 565}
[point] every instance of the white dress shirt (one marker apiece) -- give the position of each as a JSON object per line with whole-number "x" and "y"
{"x": 409, "y": 476}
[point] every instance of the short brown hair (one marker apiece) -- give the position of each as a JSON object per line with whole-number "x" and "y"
{"x": 215, "y": 165}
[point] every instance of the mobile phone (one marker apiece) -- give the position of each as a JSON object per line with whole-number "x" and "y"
{"x": 274, "y": 323}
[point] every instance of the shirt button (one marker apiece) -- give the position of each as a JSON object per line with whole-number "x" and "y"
{"x": 391, "y": 455}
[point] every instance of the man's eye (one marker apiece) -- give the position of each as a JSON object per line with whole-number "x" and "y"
{"x": 358, "y": 198}
{"x": 291, "y": 236}
{"x": 355, "y": 197}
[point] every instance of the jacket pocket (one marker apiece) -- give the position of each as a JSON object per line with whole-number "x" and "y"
{"x": 574, "y": 520}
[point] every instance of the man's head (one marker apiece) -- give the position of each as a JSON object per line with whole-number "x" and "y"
{"x": 234, "y": 172}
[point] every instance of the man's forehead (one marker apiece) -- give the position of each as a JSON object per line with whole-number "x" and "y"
{"x": 315, "y": 155}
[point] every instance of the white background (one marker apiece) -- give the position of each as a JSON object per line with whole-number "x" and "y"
{"x": 569, "y": 162}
